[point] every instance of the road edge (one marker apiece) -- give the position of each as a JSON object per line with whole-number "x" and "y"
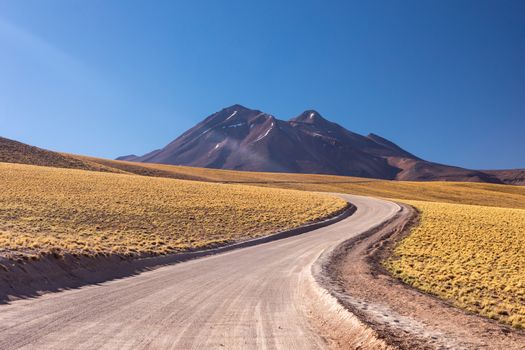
{"x": 383, "y": 319}
{"x": 335, "y": 321}
{"x": 31, "y": 278}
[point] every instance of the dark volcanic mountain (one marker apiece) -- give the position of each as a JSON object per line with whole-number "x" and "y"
{"x": 244, "y": 139}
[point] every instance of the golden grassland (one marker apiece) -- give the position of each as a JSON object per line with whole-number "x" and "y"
{"x": 473, "y": 256}
{"x": 44, "y": 209}
{"x": 213, "y": 175}
{"x": 450, "y": 192}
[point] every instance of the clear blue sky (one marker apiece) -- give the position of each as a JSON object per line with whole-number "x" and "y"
{"x": 443, "y": 79}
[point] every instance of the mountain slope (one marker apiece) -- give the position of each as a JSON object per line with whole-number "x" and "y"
{"x": 510, "y": 176}
{"x": 17, "y": 152}
{"x": 239, "y": 138}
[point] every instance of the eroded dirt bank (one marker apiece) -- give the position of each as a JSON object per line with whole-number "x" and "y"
{"x": 398, "y": 314}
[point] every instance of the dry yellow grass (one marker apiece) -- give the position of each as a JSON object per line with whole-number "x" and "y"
{"x": 449, "y": 192}
{"x": 473, "y": 256}
{"x": 213, "y": 175}
{"x": 46, "y": 209}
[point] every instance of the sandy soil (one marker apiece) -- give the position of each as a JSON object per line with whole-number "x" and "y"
{"x": 404, "y": 317}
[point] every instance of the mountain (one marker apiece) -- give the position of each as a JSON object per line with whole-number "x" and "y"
{"x": 240, "y": 138}
{"x": 509, "y": 176}
{"x": 128, "y": 157}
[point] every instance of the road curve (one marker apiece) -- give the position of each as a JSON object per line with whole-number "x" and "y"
{"x": 247, "y": 298}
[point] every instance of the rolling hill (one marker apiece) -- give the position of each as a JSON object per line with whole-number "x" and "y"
{"x": 17, "y": 152}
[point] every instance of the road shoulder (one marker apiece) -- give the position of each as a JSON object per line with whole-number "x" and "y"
{"x": 395, "y": 313}
{"x": 20, "y": 279}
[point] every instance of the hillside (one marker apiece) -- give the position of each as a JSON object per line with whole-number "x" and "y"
{"x": 239, "y": 138}
{"x": 510, "y": 176}
{"x": 17, "y": 152}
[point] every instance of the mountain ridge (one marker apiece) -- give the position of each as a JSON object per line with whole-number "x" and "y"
{"x": 240, "y": 138}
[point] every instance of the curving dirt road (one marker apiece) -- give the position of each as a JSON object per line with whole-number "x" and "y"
{"x": 258, "y": 297}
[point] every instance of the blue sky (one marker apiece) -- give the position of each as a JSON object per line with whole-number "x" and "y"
{"x": 443, "y": 79}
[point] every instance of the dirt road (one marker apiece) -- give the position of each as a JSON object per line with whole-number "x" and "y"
{"x": 254, "y": 297}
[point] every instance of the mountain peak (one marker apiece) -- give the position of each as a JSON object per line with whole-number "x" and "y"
{"x": 238, "y": 107}
{"x": 310, "y": 116}
{"x": 231, "y": 113}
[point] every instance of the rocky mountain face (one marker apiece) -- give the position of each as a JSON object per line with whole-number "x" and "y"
{"x": 240, "y": 138}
